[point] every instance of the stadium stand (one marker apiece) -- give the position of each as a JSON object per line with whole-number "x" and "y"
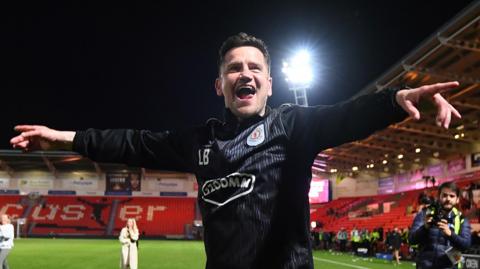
{"x": 100, "y": 216}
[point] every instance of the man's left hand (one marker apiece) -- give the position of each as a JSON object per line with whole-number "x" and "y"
{"x": 408, "y": 99}
{"x": 443, "y": 226}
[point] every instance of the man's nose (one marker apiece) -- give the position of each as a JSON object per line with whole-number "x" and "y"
{"x": 246, "y": 75}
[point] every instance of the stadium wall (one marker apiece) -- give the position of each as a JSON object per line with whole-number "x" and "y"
{"x": 151, "y": 184}
{"x": 99, "y": 216}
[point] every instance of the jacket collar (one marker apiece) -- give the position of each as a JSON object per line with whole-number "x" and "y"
{"x": 232, "y": 122}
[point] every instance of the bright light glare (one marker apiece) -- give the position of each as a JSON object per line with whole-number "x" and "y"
{"x": 298, "y": 69}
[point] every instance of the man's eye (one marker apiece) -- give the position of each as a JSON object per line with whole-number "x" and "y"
{"x": 233, "y": 68}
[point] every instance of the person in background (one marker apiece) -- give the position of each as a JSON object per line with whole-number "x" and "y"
{"x": 6, "y": 240}
{"x": 327, "y": 238}
{"x": 405, "y": 235}
{"x": 396, "y": 243}
{"x": 388, "y": 239}
{"x": 342, "y": 238}
{"x": 134, "y": 182}
{"x": 129, "y": 239}
{"x": 374, "y": 237}
{"x": 441, "y": 231}
{"x": 354, "y": 239}
{"x": 365, "y": 239}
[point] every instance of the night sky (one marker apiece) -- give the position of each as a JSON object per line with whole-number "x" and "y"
{"x": 153, "y": 65}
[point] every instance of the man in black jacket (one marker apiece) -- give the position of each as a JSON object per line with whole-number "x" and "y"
{"x": 254, "y": 167}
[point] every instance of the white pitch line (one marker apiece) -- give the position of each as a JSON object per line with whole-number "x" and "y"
{"x": 340, "y": 263}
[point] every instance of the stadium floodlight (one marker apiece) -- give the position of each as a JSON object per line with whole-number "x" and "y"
{"x": 299, "y": 75}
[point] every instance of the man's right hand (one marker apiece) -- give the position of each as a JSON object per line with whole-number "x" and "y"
{"x": 428, "y": 221}
{"x": 37, "y": 137}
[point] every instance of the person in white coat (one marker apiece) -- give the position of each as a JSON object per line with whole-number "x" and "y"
{"x": 129, "y": 237}
{"x": 6, "y": 240}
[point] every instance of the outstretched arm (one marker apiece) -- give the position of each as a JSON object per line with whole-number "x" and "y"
{"x": 37, "y": 137}
{"x": 164, "y": 150}
{"x": 409, "y": 99}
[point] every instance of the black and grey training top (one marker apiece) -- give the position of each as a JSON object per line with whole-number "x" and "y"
{"x": 254, "y": 175}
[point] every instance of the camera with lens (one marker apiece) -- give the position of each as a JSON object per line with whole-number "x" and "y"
{"x": 435, "y": 210}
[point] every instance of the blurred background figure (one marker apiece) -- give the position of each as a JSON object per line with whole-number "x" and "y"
{"x": 129, "y": 239}
{"x": 6, "y": 240}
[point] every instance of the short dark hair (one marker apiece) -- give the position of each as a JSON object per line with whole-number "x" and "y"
{"x": 241, "y": 40}
{"x": 450, "y": 185}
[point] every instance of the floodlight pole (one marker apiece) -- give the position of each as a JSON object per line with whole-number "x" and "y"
{"x": 300, "y": 95}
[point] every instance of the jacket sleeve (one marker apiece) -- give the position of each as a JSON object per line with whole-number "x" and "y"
{"x": 165, "y": 150}
{"x": 134, "y": 235}
{"x": 462, "y": 241}
{"x": 8, "y": 231}
{"x": 123, "y": 237}
{"x": 418, "y": 233}
{"x": 321, "y": 127}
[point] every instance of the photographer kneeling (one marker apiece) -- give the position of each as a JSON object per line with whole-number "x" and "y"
{"x": 441, "y": 231}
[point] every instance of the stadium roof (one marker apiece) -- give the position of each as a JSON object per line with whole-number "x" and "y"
{"x": 452, "y": 53}
{"x": 14, "y": 161}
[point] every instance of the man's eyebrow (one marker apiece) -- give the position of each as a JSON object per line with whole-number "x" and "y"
{"x": 230, "y": 64}
{"x": 234, "y": 62}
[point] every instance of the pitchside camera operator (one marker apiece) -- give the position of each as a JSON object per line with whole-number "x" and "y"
{"x": 441, "y": 231}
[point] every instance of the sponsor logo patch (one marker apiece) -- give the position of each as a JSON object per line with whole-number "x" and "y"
{"x": 257, "y": 136}
{"x": 220, "y": 191}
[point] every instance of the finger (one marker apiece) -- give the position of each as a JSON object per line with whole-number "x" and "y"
{"x": 30, "y": 134}
{"x": 440, "y": 100}
{"x": 17, "y": 139}
{"x": 438, "y": 118}
{"x": 412, "y": 110}
{"x": 21, "y": 145}
{"x": 447, "y": 120}
{"x": 441, "y": 224}
{"x": 24, "y": 128}
{"x": 439, "y": 87}
{"x": 24, "y": 144}
{"x": 444, "y": 111}
{"x": 441, "y": 115}
{"x": 455, "y": 112}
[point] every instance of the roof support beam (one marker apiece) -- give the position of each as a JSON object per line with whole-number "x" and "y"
{"x": 6, "y": 167}
{"x": 50, "y": 166}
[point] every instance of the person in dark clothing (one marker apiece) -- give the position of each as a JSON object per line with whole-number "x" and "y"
{"x": 254, "y": 167}
{"x": 395, "y": 243}
{"x": 388, "y": 239}
{"x": 97, "y": 209}
{"x": 439, "y": 229}
{"x": 326, "y": 238}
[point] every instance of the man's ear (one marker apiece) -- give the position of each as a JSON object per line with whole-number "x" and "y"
{"x": 269, "y": 92}
{"x": 218, "y": 87}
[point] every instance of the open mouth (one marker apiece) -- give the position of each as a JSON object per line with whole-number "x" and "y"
{"x": 245, "y": 92}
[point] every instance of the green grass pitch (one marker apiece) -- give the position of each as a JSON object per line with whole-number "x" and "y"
{"x": 153, "y": 254}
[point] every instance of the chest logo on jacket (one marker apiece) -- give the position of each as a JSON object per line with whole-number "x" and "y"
{"x": 257, "y": 136}
{"x": 203, "y": 156}
{"x": 220, "y": 191}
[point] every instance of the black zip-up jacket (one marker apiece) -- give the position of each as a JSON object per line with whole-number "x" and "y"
{"x": 254, "y": 175}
